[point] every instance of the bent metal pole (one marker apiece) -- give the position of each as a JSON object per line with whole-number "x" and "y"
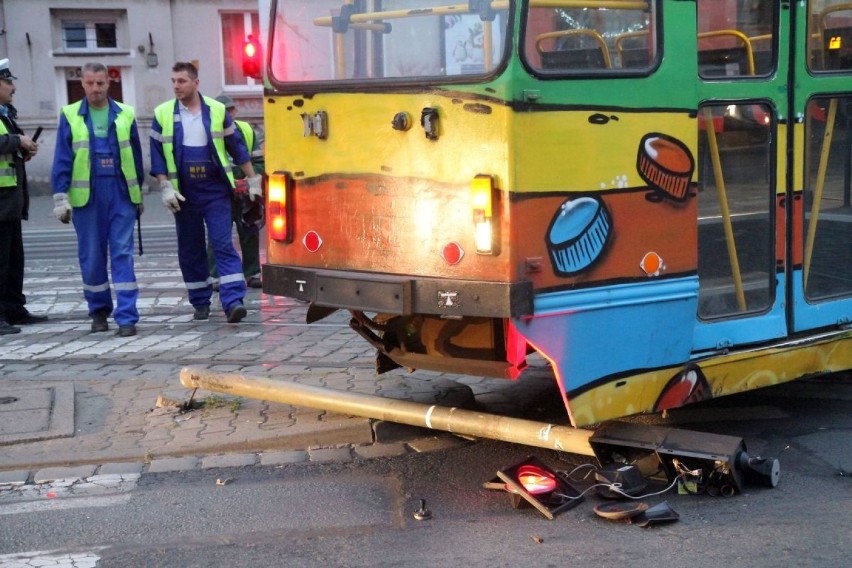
{"x": 455, "y": 420}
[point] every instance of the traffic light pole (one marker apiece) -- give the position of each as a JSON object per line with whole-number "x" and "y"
{"x": 455, "y": 420}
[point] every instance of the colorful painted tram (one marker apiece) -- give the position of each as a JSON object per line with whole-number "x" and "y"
{"x": 652, "y": 194}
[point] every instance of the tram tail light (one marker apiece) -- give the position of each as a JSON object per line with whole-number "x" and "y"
{"x": 482, "y": 203}
{"x": 279, "y": 208}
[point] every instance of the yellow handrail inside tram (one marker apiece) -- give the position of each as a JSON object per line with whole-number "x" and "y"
{"x": 738, "y": 35}
{"x": 820, "y": 185}
{"x": 723, "y": 203}
{"x": 581, "y": 32}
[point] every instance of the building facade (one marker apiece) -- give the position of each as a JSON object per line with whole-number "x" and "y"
{"x": 47, "y": 42}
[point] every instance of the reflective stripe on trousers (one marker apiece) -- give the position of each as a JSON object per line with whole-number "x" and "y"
{"x": 104, "y": 227}
{"x": 190, "y": 222}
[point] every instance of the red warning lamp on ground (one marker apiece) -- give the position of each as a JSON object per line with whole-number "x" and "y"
{"x": 252, "y": 58}
{"x": 531, "y": 482}
{"x": 535, "y": 480}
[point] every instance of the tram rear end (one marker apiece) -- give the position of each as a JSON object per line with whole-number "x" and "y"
{"x": 389, "y": 195}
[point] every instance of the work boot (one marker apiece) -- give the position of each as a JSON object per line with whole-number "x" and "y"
{"x": 8, "y": 329}
{"x": 99, "y": 322}
{"x": 236, "y": 313}
{"x": 24, "y": 318}
{"x": 254, "y": 282}
{"x": 126, "y": 330}
{"x": 201, "y": 313}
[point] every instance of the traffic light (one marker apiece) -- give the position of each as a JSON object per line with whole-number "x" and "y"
{"x": 252, "y": 58}
{"x": 531, "y": 482}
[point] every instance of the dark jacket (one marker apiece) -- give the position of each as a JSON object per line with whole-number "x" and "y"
{"x": 14, "y": 201}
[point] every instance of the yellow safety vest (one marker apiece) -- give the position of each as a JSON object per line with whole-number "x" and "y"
{"x": 165, "y": 115}
{"x": 79, "y": 191}
{"x": 248, "y": 134}
{"x": 8, "y": 176}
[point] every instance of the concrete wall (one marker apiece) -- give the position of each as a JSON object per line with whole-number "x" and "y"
{"x": 181, "y": 30}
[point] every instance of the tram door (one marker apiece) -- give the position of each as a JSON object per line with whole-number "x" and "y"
{"x": 742, "y": 171}
{"x": 822, "y": 247}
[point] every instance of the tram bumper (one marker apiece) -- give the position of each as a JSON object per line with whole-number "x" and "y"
{"x": 438, "y": 324}
{"x": 400, "y": 294}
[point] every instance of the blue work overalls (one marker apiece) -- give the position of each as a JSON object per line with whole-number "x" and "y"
{"x": 208, "y": 202}
{"x": 107, "y": 221}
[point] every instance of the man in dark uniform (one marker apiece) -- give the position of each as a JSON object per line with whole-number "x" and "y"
{"x": 15, "y": 149}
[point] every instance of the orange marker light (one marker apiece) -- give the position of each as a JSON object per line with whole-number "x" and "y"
{"x": 481, "y": 202}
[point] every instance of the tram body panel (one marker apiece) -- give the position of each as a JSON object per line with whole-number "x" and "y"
{"x": 646, "y": 229}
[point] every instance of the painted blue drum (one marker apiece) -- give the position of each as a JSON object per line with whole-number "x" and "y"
{"x": 578, "y": 234}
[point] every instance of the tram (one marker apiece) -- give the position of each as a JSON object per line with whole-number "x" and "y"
{"x": 654, "y": 195}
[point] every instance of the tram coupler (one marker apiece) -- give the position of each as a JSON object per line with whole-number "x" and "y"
{"x": 711, "y": 463}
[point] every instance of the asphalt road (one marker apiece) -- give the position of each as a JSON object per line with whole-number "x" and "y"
{"x": 360, "y": 513}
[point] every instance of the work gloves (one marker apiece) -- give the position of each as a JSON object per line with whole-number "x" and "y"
{"x": 61, "y": 207}
{"x": 171, "y": 198}
{"x": 255, "y": 187}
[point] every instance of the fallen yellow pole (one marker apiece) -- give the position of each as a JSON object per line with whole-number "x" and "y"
{"x": 455, "y": 420}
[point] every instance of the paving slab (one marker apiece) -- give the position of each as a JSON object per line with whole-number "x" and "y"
{"x": 38, "y": 412}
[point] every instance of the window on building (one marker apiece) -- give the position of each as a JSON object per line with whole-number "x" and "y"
{"x": 90, "y": 30}
{"x": 89, "y": 35}
{"x": 236, "y": 27}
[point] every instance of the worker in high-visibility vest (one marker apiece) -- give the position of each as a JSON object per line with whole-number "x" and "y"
{"x": 249, "y": 236}
{"x": 192, "y": 137}
{"x": 96, "y": 177}
{"x": 15, "y": 149}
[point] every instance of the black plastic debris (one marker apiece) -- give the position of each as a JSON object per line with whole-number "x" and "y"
{"x": 619, "y": 480}
{"x": 620, "y": 510}
{"x": 659, "y": 513}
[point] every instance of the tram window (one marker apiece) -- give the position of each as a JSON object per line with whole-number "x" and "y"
{"x": 590, "y": 39}
{"x": 736, "y": 38}
{"x": 381, "y": 40}
{"x": 827, "y": 230}
{"x": 736, "y": 255}
{"x": 830, "y": 35}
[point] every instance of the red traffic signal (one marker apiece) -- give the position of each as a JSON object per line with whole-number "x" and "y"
{"x": 531, "y": 482}
{"x": 252, "y": 58}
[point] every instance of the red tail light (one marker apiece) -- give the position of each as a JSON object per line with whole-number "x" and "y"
{"x": 279, "y": 208}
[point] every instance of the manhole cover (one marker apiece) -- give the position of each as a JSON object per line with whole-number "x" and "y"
{"x": 8, "y": 399}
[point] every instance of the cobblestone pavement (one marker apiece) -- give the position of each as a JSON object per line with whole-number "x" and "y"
{"x": 70, "y": 398}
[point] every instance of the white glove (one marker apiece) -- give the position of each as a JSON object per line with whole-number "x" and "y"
{"x": 171, "y": 198}
{"x": 255, "y": 187}
{"x": 61, "y": 207}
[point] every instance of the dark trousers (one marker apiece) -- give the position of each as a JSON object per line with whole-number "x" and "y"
{"x": 249, "y": 247}
{"x": 12, "y": 297}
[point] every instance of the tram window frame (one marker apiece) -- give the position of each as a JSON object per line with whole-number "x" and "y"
{"x": 583, "y": 57}
{"x": 820, "y": 43}
{"x": 358, "y": 82}
{"x": 716, "y": 270}
{"x": 822, "y": 244}
{"x": 732, "y": 59}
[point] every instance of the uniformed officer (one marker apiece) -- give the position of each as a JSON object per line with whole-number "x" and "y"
{"x": 15, "y": 149}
